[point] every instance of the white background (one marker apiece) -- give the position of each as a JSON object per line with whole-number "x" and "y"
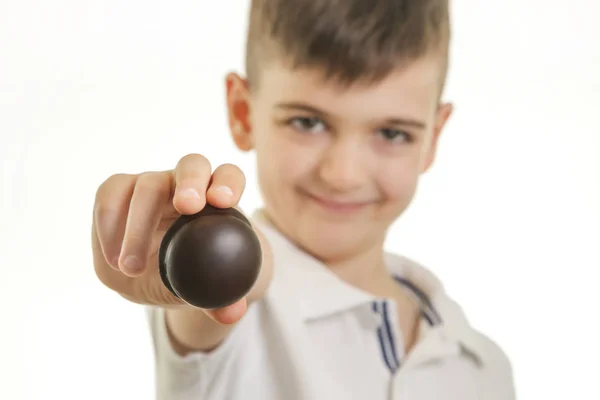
{"x": 509, "y": 216}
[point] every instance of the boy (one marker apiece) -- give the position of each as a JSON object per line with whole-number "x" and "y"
{"x": 342, "y": 105}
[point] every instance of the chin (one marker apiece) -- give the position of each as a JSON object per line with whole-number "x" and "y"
{"x": 332, "y": 243}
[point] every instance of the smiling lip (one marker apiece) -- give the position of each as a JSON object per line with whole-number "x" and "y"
{"x": 338, "y": 206}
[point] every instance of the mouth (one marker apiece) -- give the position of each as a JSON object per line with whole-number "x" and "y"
{"x": 338, "y": 206}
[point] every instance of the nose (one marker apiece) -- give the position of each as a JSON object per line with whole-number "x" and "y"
{"x": 342, "y": 167}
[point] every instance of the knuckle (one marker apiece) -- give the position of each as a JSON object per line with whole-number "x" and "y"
{"x": 149, "y": 182}
{"x": 110, "y": 183}
{"x": 194, "y": 160}
{"x": 146, "y": 179}
{"x": 138, "y": 245}
{"x": 112, "y": 193}
{"x": 104, "y": 211}
{"x": 106, "y": 202}
{"x": 136, "y": 242}
{"x": 135, "y": 239}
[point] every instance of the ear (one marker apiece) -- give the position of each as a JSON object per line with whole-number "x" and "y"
{"x": 238, "y": 106}
{"x": 443, "y": 113}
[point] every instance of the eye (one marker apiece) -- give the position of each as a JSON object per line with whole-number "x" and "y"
{"x": 395, "y": 135}
{"x": 307, "y": 124}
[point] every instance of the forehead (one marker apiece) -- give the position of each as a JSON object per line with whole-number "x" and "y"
{"x": 412, "y": 89}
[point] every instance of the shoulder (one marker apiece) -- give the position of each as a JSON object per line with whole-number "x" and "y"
{"x": 497, "y": 371}
{"x": 496, "y": 368}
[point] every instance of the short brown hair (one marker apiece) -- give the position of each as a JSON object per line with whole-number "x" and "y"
{"x": 349, "y": 40}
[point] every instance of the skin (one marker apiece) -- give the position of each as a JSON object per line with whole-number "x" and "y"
{"x": 131, "y": 216}
{"x": 336, "y": 166}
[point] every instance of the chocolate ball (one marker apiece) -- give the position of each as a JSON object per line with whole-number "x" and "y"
{"x": 210, "y": 259}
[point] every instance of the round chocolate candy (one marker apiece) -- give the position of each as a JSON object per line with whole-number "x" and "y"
{"x": 210, "y": 259}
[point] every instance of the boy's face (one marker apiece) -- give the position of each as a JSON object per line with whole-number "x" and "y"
{"x": 337, "y": 165}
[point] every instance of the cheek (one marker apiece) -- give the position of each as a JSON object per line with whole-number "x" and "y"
{"x": 281, "y": 165}
{"x": 397, "y": 182}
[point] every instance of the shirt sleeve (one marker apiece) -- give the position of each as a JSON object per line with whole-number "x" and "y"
{"x": 184, "y": 377}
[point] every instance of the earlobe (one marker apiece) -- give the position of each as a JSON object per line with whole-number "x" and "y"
{"x": 239, "y": 135}
{"x": 238, "y": 106}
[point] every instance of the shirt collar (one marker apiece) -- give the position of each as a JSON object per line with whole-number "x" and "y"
{"x": 317, "y": 292}
{"x": 453, "y": 330}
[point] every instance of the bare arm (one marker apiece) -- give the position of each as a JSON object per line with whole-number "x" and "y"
{"x": 131, "y": 216}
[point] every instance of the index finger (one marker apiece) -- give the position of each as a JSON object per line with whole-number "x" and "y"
{"x": 110, "y": 213}
{"x": 192, "y": 176}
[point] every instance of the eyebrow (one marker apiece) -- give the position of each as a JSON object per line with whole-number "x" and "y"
{"x": 408, "y": 122}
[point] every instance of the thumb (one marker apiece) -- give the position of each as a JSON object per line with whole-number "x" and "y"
{"x": 230, "y": 314}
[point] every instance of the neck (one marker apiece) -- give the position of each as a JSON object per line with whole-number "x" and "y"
{"x": 365, "y": 270}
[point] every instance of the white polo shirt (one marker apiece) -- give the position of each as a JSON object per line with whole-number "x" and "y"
{"x": 316, "y": 337}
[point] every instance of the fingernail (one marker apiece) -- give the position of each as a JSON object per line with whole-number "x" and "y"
{"x": 188, "y": 194}
{"x": 132, "y": 264}
{"x": 224, "y": 189}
